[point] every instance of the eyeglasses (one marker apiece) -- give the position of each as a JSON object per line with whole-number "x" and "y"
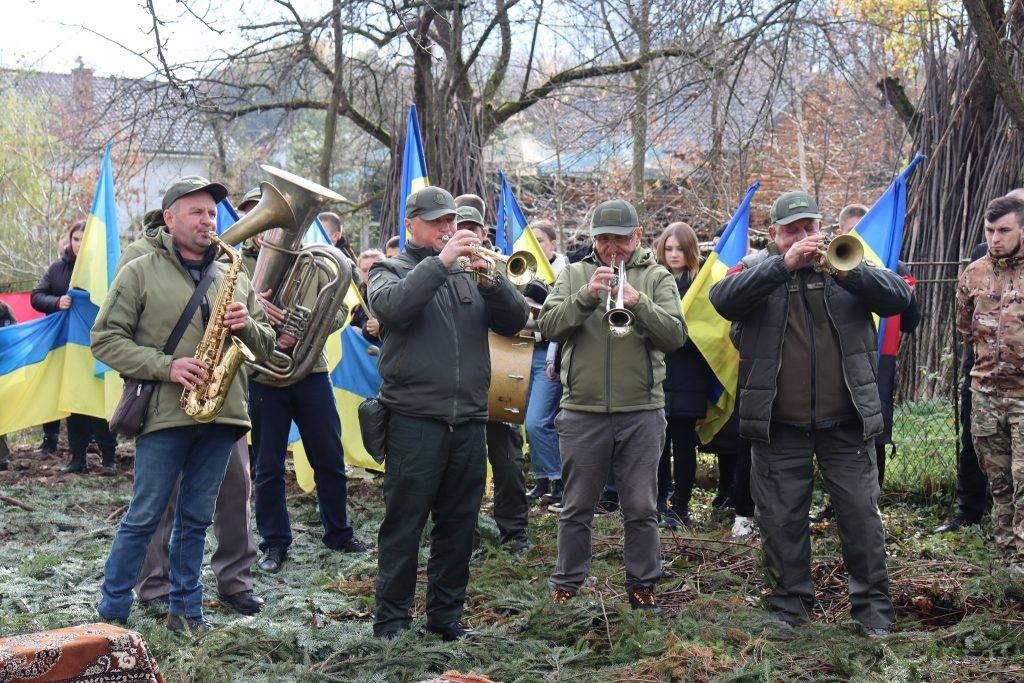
{"x": 617, "y": 240}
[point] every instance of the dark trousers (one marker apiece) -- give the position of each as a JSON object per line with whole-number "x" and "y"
{"x": 726, "y": 474}
{"x": 742, "y": 501}
{"x": 678, "y": 464}
{"x": 782, "y": 482}
{"x": 51, "y": 429}
{"x": 84, "y": 428}
{"x": 972, "y": 495}
{"x": 437, "y": 470}
{"x": 310, "y": 403}
{"x": 505, "y": 453}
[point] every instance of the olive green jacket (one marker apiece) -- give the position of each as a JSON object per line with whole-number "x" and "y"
{"x": 605, "y": 374}
{"x": 145, "y": 301}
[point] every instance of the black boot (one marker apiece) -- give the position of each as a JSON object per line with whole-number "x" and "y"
{"x": 554, "y": 496}
{"x": 49, "y": 444}
{"x": 76, "y": 465}
{"x": 109, "y": 462}
{"x": 543, "y": 486}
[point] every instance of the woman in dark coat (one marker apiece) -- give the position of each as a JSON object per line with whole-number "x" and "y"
{"x": 51, "y": 296}
{"x": 687, "y": 378}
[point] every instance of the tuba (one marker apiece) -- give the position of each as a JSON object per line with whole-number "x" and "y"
{"x": 289, "y": 205}
{"x": 219, "y": 349}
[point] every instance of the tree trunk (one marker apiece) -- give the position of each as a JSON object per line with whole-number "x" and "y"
{"x": 331, "y": 116}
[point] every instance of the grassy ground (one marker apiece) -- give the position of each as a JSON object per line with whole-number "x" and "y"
{"x": 959, "y": 615}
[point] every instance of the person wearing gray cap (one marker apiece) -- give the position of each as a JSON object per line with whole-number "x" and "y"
{"x": 435, "y": 370}
{"x": 176, "y": 281}
{"x": 612, "y": 415}
{"x": 807, "y": 387}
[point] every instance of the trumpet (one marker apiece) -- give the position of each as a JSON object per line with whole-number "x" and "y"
{"x": 618, "y": 318}
{"x": 520, "y": 267}
{"x": 840, "y": 254}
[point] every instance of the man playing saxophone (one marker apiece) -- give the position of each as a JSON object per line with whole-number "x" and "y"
{"x": 145, "y": 301}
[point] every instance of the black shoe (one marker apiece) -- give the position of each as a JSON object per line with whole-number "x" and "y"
{"x": 176, "y": 622}
{"x": 246, "y": 602}
{"x": 48, "y": 446}
{"x": 642, "y": 597}
{"x": 543, "y": 486}
{"x": 159, "y": 602}
{"x": 556, "y": 508}
{"x": 606, "y": 507}
{"x": 671, "y": 519}
{"x": 354, "y": 545}
{"x": 454, "y": 630}
{"x": 518, "y": 546}
{"x": 273, "y": 560}
{"x": 4, "y": 466}
{"x": 77, "y": 465}
{"x": 109, "y": 464}
{"x": 554, "y": 496}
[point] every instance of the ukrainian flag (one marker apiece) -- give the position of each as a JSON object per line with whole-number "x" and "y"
{"x": 881, "y": 233}
{"x": 47, "y": 369}
{"x": 414, "y": 170}
{"x": 511, "y": 229}
{"x": 708, "y": 330}
{"x": 226, "y": 216}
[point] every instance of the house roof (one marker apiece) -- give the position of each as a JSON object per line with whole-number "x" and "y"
{"x": 98, "y": 108}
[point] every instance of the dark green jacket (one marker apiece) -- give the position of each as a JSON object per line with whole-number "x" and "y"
{"x": 145, "y": 300}
{"x": 605, "y": 374}
{"x": 435, "y": 361}
{"x": 756, "y": 299}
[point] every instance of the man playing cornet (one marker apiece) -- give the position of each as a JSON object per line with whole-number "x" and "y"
{"x": 613, "y": 404}
{"x": 807, "y": 383}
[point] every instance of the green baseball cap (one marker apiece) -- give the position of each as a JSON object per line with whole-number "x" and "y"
{"x": 254, "y": 195}
{"x": 430, "y": 203}
{"x": 190, "y": 184}
{"x": 792, "y": 206}
{"x": 614, "y": 217}
{"x": 468, "y": 214}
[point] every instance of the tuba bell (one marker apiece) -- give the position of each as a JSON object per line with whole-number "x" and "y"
{"x": 288, "y": 207}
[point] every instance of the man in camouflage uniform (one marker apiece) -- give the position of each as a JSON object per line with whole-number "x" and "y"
{"x": 990, "y": 315}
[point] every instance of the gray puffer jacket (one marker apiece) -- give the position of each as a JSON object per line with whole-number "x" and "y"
{"x": 755, "y": 297}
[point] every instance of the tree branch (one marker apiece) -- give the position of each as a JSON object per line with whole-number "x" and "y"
{"x": 995, "y": 60}
{"x": 896, "y": 96}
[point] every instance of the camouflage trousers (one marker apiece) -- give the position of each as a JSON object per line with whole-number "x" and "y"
{"x": 997, "y": 425}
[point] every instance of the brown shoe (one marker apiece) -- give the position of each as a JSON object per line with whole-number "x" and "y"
{"x": 560, "y": 596}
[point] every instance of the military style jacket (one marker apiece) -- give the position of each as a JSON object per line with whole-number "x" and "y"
{"x": 990, "y": 315}
{"x": 144, "y": 303}
{"x": 435, "y": 360}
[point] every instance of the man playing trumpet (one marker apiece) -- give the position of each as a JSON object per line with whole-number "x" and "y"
{"x": 808, "y": 363}
{"x": 613, "y": 403}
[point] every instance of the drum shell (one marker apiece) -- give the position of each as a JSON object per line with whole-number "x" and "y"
{"x": 511, "y": 363}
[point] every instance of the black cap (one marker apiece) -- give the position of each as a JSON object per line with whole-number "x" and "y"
{"x": 190, "y": 184}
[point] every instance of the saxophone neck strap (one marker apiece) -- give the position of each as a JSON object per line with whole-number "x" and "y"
{"x": 190, "y": 309}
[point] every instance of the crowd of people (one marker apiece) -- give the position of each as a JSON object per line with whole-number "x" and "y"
{"x": 611, "y": 419}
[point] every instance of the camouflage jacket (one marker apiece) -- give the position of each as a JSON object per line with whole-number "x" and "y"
{"x": 990, "y": 315}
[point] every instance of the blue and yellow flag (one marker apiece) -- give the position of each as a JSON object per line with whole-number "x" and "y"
{"x": 881, "y": 233}
{"x": 511, "y": 230}
{"x": 414, "y": 170}
{"x": 708, "y": 330}
{"x": 47, "y": 369}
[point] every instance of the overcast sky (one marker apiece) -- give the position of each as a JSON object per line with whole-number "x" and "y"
{"x": 50, "y": 35}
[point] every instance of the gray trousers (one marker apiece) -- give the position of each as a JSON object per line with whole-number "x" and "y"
{"x": 782, "y": 479}
{"x": 236, "y": 551}
{"x": 630, "y": 444}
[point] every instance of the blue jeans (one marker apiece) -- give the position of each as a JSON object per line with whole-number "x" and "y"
{"x": 199, "y": 456}
{"x": 540, "y": 419}
{"x": 310, "y": 402}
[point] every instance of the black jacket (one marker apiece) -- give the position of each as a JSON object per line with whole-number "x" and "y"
{"x": 435, "y": 361}
{"x": 687, "y": 374}
{"x": 757, "y": 299}
{"x": 54, "y": 283}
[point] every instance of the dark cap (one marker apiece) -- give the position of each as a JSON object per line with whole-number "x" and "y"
{"x": 792, "y": 206}
{"x": 190, "y": 184}
{"x": 468, "y": 214}
{"x": 614, "y": 217}
{"x": 254, "y": 195}
{"x": 429, "y": 204}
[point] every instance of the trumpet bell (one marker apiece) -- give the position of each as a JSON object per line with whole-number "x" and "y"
{"x": 619, "y": 321}
{"x": 521, "y": 268}
{"x": 845, "y": 252}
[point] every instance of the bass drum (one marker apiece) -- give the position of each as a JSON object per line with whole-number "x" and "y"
{"x": 511, "y": 362}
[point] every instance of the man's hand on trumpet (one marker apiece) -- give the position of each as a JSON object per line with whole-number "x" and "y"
{"x": 461, "y": 243}
{"x": 601, "y": 281}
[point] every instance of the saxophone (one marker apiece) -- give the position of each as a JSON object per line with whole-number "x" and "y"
{"x": 221, "y": 351}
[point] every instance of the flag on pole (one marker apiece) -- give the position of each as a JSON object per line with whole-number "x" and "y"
{"x": 414, "y": 170}
{"x": 511, "y": 230}
{"x": 708, "y": 330}
{"x": 101, "y": 246}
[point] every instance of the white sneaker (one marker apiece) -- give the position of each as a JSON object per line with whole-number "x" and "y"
{"x": 742, "y": 527}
